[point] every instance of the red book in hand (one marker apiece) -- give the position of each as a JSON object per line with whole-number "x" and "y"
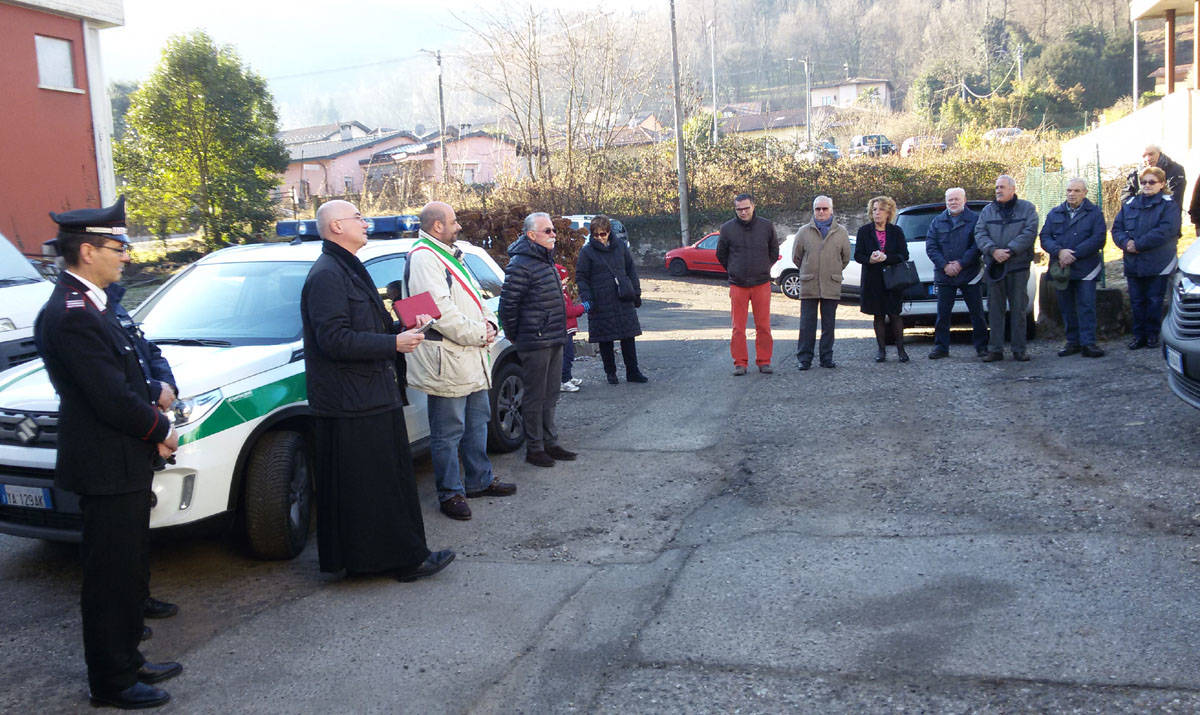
{"x": 408, "y": 309}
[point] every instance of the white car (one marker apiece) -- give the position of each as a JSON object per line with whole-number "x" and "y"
{"x": 920, "y": 301}
{"x": 230, "y": 326}
{"x": 23, "y": 292}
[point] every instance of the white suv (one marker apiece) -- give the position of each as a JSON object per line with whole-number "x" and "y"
{"x": 230, "y": 326}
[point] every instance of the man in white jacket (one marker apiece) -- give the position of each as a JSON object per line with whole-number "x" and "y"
{"x": 452, "y": 365}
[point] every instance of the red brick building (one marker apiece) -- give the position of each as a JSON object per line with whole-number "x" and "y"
{"x": 55, "y": 117}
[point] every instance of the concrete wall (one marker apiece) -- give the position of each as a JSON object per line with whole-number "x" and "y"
{"x": 47, "y": 137}
{"x": 1172, "y": 122}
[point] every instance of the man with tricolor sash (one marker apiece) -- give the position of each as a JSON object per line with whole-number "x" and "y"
{"x": 453, "y": 365}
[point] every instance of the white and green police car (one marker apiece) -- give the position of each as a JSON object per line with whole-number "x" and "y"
{"x": 230, "y": 327}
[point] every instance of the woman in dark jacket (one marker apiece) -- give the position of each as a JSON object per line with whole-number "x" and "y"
{"x": 1147, "y": 230}
{"x": 603, "y": 262}
{"x": 878, "y": 244}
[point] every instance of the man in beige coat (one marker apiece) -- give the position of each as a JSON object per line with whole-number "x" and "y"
{"x": 452, "y": 365}
{"x": 821, "y": 251}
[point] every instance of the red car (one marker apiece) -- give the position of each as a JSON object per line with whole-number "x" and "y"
{"x": 701, "y": 256}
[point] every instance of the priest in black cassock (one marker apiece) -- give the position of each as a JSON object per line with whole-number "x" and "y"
{"x": 368, "y": 512}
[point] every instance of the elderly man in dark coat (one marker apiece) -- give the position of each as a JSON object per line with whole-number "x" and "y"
{"x": 950, "y": 245}
{"x": 533, "y": 314}
{"x": 368, "y": 512}
{"x": 109, "y": 433}
{"x": 1153, "y": 155}
{"x": 1073, "y": 235}
{"x": 1005, "y": 233}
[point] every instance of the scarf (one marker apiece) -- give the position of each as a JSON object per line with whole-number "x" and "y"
{"x": 823, "y": 226}
{"x": 1006, "y": 207}
{"x": 453, "y": 265}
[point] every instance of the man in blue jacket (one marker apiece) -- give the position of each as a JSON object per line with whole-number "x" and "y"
{"x": 950, "y": 245}
{"x": 1073, "y": 235}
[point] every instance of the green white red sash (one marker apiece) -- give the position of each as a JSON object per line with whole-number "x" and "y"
{"x": 454, "y": 266}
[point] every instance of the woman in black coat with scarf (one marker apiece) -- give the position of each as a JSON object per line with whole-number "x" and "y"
{"x": 878, "y": 244}
{"x": 604, "y": 262}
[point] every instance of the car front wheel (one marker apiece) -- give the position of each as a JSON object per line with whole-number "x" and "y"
{"x": 278, "y": 497}
{"x": 677, "y": 267}
{"x": 506, "y": 430}
{"x": 789, "y": 284}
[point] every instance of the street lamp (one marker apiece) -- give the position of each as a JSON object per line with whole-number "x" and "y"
{"x": 807, "y": 96}
{"x": 441, "y": 110}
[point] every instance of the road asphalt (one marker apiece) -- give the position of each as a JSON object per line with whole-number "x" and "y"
{"x": 943, "y": 536}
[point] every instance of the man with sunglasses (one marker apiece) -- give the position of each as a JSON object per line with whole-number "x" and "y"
{"x": 109, "y": 433}
{"x": 534, "y": 316}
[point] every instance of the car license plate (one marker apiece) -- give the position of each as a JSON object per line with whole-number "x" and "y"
{"x": 28, "y": 497}
{"x": 933, "y": 290}
{"x": 1174, "y": 360}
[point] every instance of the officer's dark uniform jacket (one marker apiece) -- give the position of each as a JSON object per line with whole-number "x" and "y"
{"x": 951, "y": 237}
{"x": 107, "y": 429}
{"x": 156, "y": 367}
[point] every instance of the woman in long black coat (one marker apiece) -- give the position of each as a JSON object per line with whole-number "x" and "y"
{"x": 878, "y": 244}
{"x": 603, "y": 261}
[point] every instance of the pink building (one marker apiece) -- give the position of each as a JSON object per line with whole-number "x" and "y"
{"x": 335, "y": 163}
{"x": 473, "y": 158}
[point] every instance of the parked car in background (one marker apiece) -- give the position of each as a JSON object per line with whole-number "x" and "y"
{"x": 23, "y": 292}
{"x": 1003, "y": 135}
{"x": 912, "y": 145}
{"x": 230, "y": 326}
{"x": 700, "y": 257}
{"x": 870, "y": 145}
{"x": 920, "y": 301}
{"x": 818, "y": 151}
{"x": 580, "y": 221}
{"x": 1181, "y": 329}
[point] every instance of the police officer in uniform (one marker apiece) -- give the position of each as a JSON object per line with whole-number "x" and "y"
{"x": 109, "y": 435}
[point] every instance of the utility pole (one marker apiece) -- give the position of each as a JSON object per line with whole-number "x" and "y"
{"x": 808, "y": 103}
{"x": 1135, "y": 68}
{"x": 712, "y": 49}
{"x": 441, "y": 110}
{"x": 1020, "y": 56}
{"x": 680, "y": 161}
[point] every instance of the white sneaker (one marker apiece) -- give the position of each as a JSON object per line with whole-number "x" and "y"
{"x": 570, "y": 387}
{"x": 575, "y": 381}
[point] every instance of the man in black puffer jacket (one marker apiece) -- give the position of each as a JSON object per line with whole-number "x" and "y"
{"x": 534, "y": 317}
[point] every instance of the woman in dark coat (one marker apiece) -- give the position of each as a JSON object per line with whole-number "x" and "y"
{"x": 604, "y": 261}
{"x": 1147, "y": 230}
{"x": 878, "y": 244}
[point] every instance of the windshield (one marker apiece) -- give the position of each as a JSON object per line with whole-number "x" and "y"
{"x": 15, "y": 268}
{"x": 241, "y": 303}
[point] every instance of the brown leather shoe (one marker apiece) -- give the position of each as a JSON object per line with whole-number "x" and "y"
{"x": 993, "y": 357}
{"x": 456, "y": 508}
{"x": 539, "y": 459}
{"x": 496, "y": 489}
{"x": 563, "y": 455}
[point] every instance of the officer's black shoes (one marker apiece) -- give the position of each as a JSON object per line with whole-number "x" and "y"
{"x": 135, "y": 697}
{"x": 158, "y": 672}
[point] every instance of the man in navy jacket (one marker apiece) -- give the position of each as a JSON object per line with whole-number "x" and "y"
{"x": 950, "y": 245}
{"x": 1073, "y": 235}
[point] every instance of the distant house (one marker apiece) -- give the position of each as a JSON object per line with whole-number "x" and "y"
{"x": 851, "y": 92}
{"x": 1160, "y": 77}
{"x": 476, "y": 157}
{"x": 56, "y": 133}
{"x": 328, "y": 160}
{"x": 785, "y": 124}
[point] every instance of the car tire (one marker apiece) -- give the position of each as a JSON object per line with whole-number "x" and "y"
{"x": 506, "y": 429}
{"x": 1030, "y": 326}
{"x": 278, "y": 496}
{"x": 789, "y": 284}
{"x": 677, "y": 267}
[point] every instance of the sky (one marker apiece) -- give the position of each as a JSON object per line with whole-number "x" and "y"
{"x": 320, "y": 58}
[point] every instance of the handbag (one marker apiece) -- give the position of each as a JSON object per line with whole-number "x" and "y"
{"x": 625, "y": 289}
{"x": 899, "y": 276}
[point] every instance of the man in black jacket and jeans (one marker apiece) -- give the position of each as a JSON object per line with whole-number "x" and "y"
{"x": 534, "y": 317}
{"x": 747, "y": 248}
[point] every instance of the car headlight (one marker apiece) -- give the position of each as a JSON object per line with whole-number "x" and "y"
{"x": 194, "y": 409}
{"x": 7, "y": 324}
